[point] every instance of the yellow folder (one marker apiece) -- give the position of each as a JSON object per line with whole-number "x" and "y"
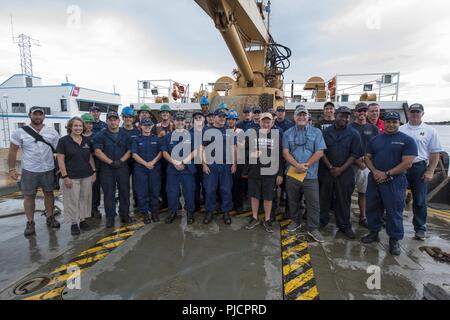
{"x": 298, "y": 176}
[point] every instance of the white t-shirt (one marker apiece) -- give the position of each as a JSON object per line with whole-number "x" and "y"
{"x": 36, "y": 156}
{"x": 426, "y": 138}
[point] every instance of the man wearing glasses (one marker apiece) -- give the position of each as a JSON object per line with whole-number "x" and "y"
{"x": 303, "y": 147}
{"x": 367, "y": 131}
{"x": 248, "y": 119}
{"x": 281, "y": 121}
{"x": 424, "y": 165}
{"x": 336, "y": 171}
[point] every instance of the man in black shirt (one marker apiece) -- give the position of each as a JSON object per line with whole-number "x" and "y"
{"x": 329, "y": 110}
{"x": 367, "y": 131}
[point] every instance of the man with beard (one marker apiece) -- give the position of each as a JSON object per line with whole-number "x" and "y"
{"x": 38, "y": 166}
{"x": 329, "y": 111}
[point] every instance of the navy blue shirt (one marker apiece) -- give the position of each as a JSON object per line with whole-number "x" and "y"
{"x": 342, "y": 144}
{"x": 366, "y": 131}
{"x": 168, "y": 145}
{"x": 387, "y": 150}
{"x": 113, "y": 145}
{"x": 226, "y": 134}
{"x": 98, "y": 126}
{"x": 146, "y": 147}
{"x": 134, "y": 133}
{"x": 286, "y": 124}
{"x": 243, "y": 125}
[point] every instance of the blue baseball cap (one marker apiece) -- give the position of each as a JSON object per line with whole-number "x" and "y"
{"x": 344, "y": 110}
{"x": 180, "y": 116}
{"x": 146, "y": 122}
{"x": 392, "y": 115}
{"x": 232, "y": 114}
{"x": 197, "y": 113}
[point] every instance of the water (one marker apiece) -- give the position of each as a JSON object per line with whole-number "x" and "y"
{"x": 444, "y": 135}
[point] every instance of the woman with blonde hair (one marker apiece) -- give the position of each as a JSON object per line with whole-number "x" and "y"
{"x": 78, "y": 173}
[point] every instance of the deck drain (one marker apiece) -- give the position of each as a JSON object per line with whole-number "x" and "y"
{"x": 31, "y": 285}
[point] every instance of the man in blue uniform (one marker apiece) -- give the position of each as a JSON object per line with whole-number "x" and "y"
{"x": 337, "y": 178}
{"x": 99, "y": 125}
{"x": 146, "y": 151}
{"x": 180, "y": 169}
{"x": 388, "y": 157}
{"x": 217, "y": 172}
{"x": 248, "y": 118}
{"x": 197, "y": 132}
{"x": 112, "y": 147}
{"x": 281, "y": 121}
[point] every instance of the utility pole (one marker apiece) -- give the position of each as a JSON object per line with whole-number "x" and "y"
{"x": 25, "y": 42}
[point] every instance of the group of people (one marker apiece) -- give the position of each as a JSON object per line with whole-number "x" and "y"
{"x": 217, "y": 159}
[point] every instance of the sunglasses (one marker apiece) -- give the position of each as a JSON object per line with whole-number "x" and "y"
{"x": 257, "y": 112}
{"x": 281, "y": 110}
{"x": 362, "y": 110}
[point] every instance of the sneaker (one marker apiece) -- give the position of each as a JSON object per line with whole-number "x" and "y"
{"x": 29, "y": 229}
{"x": 420, "y": 235}
{"x": 363, "y": 223}
{"x": 227, "y": 218}
{"x": 75, "y": 230}
{"x": 371, "y": 237}
{"x": 84, "y": 226}
{"x": 293, "y": 226}
{"x": 208, "y": 218}
{"x": 316, "y": 235}
{"x": 147, "y": 219}
{"x": 349, "y": 233}
{"x": 394, "y": 247}
{"x": 96, "y": 214}
{"x": 110, "y": 223}
{"x": 268, "y": 226}
{"x": 252, "y": 224}
{"x": 126, "y": 219}
{"x": 171, "y": 218}
{"x": 53, "y": 223}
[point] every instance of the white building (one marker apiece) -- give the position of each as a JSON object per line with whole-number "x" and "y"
{"x": 61, "y": 102}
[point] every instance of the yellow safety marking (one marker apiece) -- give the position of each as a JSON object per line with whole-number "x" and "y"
{"x": 298, "y": 282}
{"x": 47, "y": 295}
{"x": 289, "y": 268}
{"x": 289, "y": 240}
{"x": 444, "y": 213}
{"x": 440, "y": 215}
{"x": 103, "y": 247}
{"x": 311, "y": 294}
{"x": 285, "y": 223}
{"x": 300, "y": 247}
{"x": 132, "y": 227}
{"x": 284, "y": 232}
{"x": 65, "y": 277}
{"x": 117, "y": 236}
{"x": 81, "y": 262}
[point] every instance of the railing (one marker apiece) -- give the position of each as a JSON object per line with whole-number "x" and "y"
{"x": 162, "y": 91}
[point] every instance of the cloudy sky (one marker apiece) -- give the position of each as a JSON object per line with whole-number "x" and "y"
{"x": 118, "y": 42}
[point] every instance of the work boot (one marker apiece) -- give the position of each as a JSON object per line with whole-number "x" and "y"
{"x": 84, "y": 226}
{"x": 371, "y": 237}
{"x": 110, "y": 223}
{"x": 268, "y": 226}
{"x": 190, "y": 218}
{"x": 420, "y": 235}
{"x": 126, "y": 219}
{"x": 52, "y": 222}
{"x": 75, "y": 230}
{"x": 96, "y": 214}
{"x": 394, "y": 247}
{"x": 171, "y": 218}
{"x": 29, "y": 229}
{"x": 227, "y": 218}
{"x": 349, "y": 233}
{"x": 147, "y": 219}
{"x": 155, "y": 217}
{"x": 208, "y": 218}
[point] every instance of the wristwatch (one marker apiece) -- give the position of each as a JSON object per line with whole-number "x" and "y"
{"x": 388, "y": 174}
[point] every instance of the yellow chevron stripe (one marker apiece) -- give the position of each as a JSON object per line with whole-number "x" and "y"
{"x": 298, "y": 282}
{"x": 103, "y": 247}
{"x": 81, "y": 262}
{"x": 311, "y": 294}
{"x": 117, "y": 236}
{"x": 300, "y": 247}
{"x": 47, "y": 295}
{"x": 65, "y": 277}
{"x": 288, "y": 240}
{"x": 300, "y": 262}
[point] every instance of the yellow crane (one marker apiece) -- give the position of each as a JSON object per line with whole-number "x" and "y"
{"x": 260, "y": 61}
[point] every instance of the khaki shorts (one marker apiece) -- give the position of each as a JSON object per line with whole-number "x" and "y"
{"x": 361, "y": 178}
{"x": 31, "y": 181}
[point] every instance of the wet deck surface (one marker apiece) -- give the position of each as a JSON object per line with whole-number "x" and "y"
{"x": 177, "y": 261}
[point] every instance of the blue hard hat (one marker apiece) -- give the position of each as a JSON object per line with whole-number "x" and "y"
{"x": 127, "y": 112}
{"x": 204, "y": 101}
{"x": 232, "y": 114}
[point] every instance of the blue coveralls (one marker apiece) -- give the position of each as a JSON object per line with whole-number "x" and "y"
{"x": 387, "y": 152}
{"x": 219, "y": 178}
{"x": 147, "y": 182}
{"x": 341, "y": 145}
{"x": 114, "y": 147}
{"x": 97, "y": 127}
{"x": 134, "y": 133}
{"x": 175, "y": 178}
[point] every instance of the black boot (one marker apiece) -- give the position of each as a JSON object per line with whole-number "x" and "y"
{"x": 208, "y": 218}
{"x": 110, "y": 223}
{"x": 371, "y": 237}
{"x": 126, "y": 219}
{"x": 227, "y": 218}
{"x": 190, "y": 218}
{"x": 171, "y": 218}
{"x": 147, "y": 219}
{"x": 84, "y": 226}
{"x": 394, "y": 247}
{"x": 96, "y": 214}
{"x": 75, "y": 230}
{"x": 155, "y": 217}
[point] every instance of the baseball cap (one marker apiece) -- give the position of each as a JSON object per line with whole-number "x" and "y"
{"x": 416, "y": 107}
{"x": 247, "y": 109}
{"x": 112, "y": 114}
{"x": 197, "y": 113}
{"x": 344, "y": 109}
{"x": 361, "y": 106}
{"x": 257, "y": 109}
{"x": 392, "y": 115}
{"x": 301, "y": 109}
{"x": 267, "y": 115}
{"x": 95, "y": 108}
{"x": 180, "y": 116}
{"x": 35, "y": 109}
{"x": 281, "y": 109}
{"x": 220, "y": 112}
{"x": 146, "y": 122}
{"x": 329, "y": 103}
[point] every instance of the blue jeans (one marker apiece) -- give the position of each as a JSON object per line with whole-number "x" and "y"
{"x": 419, "y": 190}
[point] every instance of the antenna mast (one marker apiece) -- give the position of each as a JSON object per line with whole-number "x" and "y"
{"x": 25, "y": 42}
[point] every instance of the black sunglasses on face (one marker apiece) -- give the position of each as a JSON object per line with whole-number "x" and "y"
{"x": 257, "y": 112}
{"x": 362, "y": 110}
